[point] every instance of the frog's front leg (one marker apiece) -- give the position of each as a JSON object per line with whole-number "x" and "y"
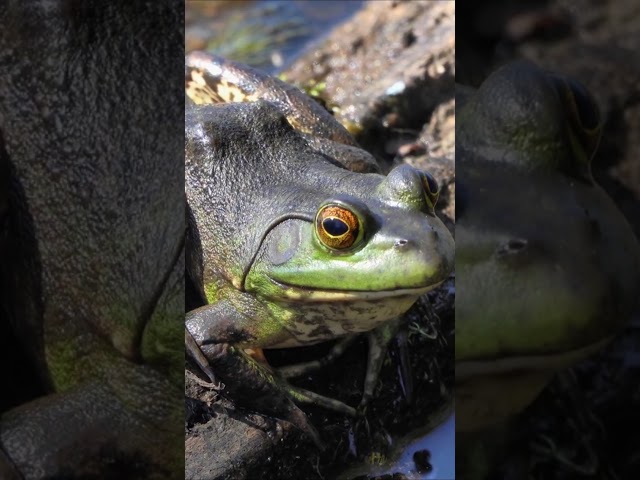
{"x": 379, "y": 340}
{"x": 214, "y": 330}
{"x": 299, "y": 369}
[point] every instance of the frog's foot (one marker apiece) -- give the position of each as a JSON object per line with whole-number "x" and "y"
{"x": 252, "y": 385}
{"x": 379, "y": 339}
{"x": 299, "y": 369}
{"x": 196, "y": 354}
{"x": 305, "y": 396}
{"x": 247, "y": 382}
{"x": 203, "y": 383}
{"x": 378, "y": 342}
{"x": 301, "y": 395}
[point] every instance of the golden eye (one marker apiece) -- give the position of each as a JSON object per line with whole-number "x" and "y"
{"x": 431, "y": 188}
{"x": 337, "y": 227}
{"x": 583, "y": 115}
{"x": 584, "y": 105}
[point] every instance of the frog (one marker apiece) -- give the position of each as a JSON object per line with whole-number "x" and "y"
{"x": 92, "y": 249}
{"x": 548, "y": 268}
{"x": 294, "y": 236}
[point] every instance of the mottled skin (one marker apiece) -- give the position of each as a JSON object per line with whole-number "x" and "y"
{"x": 212, "y": 79}
{"x": 93, "y": 238}
{"x": 548, "y": 269}
{"x": 254, "y": 185}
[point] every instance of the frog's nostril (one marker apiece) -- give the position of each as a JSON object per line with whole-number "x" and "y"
{"x": 515, "y": 245}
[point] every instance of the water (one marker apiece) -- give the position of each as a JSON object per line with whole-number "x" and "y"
{"x": 266, "y": 34}
{"x": 438, "y": 442}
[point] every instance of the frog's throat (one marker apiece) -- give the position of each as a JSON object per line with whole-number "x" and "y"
{"x": 472, "y": 368}
{"x": 293, "y": 293}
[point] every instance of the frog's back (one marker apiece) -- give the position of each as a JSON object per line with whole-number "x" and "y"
{"x": 249, "y": 148}
{"x": 212, "y": 79}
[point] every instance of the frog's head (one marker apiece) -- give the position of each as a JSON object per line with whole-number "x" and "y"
{"x": 531, "y": 119}
{"x": 367, "y": 238}
{"x": 548, "y": 269}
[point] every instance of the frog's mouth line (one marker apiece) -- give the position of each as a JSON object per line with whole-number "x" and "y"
{"x": 296, "y": 293}
{"x": 475, "y": 368}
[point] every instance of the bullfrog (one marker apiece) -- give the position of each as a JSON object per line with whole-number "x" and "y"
{"x": 92, "y": 239}
{"x": 294, "y": 238}
{"x": 548, "y": 269}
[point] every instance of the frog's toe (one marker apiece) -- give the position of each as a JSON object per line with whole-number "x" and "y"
{"x": 405, "y": 375}
{"x": 300, "y": 420}
{"x": 218, "y": 387}
{"x": 192, "y": 348}
{"x": 297, "y": 418}
{"x": 289, "y": 412}
{"x": 361, "y": 411}
{"x": 299, "y": 369}
{"x": 305, "y": 396}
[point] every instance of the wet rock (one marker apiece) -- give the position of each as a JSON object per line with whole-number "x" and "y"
{"x": 230, "y": 445}
{"x": 422, "y": 459}
{"x": 388, "y": 70}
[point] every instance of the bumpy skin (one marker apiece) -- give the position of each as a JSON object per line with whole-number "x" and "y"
{"x": 254, "y": 184}
{"x": 251, "y": 148}
{"x": 95, "y": 235}
{"x": 548, "y": 269}
{"x": 210, "y": 79}
{"x": 236, "y": 82}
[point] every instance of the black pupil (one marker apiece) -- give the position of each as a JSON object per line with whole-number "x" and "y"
{"x": 334, "y": 226}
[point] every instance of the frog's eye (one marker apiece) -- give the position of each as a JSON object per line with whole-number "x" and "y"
{"x": 583, "y": 114}
{"x": 586, "y": 107}
{"x": 580, "y": 104}
{"x": 431, "y": 188}
{"x": 337, "y": 227}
